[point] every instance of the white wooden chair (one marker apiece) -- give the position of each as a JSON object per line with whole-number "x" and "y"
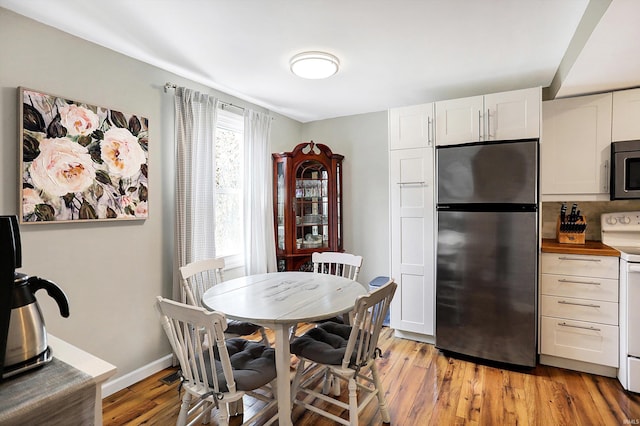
{"x": 200, "y": 276}
{"x": 343, "y": 264}
{"x": 220, "y": 374}
{"x": 353, "y": 361}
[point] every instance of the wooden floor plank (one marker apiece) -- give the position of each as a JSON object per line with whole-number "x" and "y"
{"x": 425, "y": 386}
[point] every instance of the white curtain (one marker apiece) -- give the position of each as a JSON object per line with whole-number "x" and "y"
{"x": 196, "y": 116}
{"x": 259, "y": 240}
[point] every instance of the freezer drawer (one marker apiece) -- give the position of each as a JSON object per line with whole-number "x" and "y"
{"x": 578, "y": 340}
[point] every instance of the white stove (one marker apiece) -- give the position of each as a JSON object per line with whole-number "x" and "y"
{"x": 622, "y": 232}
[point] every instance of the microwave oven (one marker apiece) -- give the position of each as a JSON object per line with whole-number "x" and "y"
{"x": 625, "y": 170}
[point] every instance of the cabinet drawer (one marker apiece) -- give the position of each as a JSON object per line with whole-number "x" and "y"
{"x": 593, "y": 288}
{"x": 580, "y": 309}
{"x": 582, "y": 341}
{"x": 580, "y": 265}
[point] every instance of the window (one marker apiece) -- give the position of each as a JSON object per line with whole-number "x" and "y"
{"x": 229, "y": 187}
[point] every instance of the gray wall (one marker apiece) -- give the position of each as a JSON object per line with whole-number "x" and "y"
{"x": 362, "y": 139}
{"x": 111, "y": 271}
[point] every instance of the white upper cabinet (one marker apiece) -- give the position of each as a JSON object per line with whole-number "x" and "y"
{"x": 513, "y": 115}
{"x": 499, "y": 116}
{"x": 626, "y": 115}
{"x": 575, "y": 148}
{"x": 459, "y": 120}
{"x": 411, "y": 127}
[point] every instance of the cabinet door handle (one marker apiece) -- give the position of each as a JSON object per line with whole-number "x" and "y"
{"x": 479, "y": 125}
{"x": 606, "y": 176}
{"x": 564, "y": 324}
{"x": 488, "y": 132}
{"x": 579, "y": 259}
{"x": 579, "y": 282}
{"x": 429, "y": 134}
{"x": 412, "y": 183}
{"x": 588, "y": 305}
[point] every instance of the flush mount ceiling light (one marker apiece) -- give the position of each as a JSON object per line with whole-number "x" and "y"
{"x": 314, "y": 65}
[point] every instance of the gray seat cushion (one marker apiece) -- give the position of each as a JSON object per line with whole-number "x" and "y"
{"x": 241, "y": 328}
{"x": 253, "y": 364}
{"x": 325, "y": 343}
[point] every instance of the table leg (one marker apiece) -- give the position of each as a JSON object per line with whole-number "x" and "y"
{"x": 283, "y": 364}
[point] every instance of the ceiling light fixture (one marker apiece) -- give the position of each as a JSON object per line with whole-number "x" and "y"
{"x": 314, "y": 65}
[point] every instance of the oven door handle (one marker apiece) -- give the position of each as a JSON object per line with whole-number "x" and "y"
{"x": 634, "y": 268}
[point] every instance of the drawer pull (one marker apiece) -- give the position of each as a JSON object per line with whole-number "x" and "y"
{"x": 579, "y": 282}
{"x": 412, "y": 183}
{"x": 579, "y": 259}
{"x": 564, "y": 324}
{"x": 588, "y": 305}
{"x": 634, "y": 268}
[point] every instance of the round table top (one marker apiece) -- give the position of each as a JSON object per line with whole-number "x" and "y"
{"x": 284, "y": 297}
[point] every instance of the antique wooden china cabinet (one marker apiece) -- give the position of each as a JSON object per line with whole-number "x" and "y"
{"x": 307, "y": 201}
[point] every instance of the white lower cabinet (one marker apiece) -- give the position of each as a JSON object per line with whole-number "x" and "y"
{"x": 579, "y": 308}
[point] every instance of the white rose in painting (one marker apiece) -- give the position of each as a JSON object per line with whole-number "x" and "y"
{"x": 62, "y": 166}
{"x": 121, "y": 152}
{"x": 30, "y": 199}
{"x": 78, "y": 120}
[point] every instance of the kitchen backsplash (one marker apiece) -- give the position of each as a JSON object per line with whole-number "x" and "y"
{"x": 591, "y": 209}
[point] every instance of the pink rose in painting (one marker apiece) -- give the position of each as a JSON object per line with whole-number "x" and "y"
{"x": 30, "y": 199}
{"x": 78, "y": 120}
{"x": 121, "y": 152}
{"x": 62, "y": 166}
{"x": 142, "y": 210}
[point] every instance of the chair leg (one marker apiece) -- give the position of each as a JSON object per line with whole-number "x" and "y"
{"x": 223, "y": 414}
{"x": 295, "y": 384}
{"x": 353, "y": 402}
{"x": 265, "y": 340}
{"x": 184, "y": 410}
{"x": 292, "y": 332}
{"x": 206, "y": 410}
{"x": 384, "y": 410}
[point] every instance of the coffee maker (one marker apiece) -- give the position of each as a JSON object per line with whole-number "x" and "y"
{"x": 23, "y": 337}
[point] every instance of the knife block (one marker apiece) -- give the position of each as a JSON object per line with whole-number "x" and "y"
{"x": 571, "y": 236}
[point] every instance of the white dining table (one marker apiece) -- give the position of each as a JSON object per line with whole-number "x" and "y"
{"x": 278, "y": 301}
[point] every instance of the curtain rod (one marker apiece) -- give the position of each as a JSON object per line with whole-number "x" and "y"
{"x": 168, "y": 86}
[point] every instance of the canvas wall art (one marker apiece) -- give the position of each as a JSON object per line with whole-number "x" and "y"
{"x": 81, "y": 162}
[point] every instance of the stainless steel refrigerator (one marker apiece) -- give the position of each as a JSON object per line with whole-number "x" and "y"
{"x": 487, "y": 256}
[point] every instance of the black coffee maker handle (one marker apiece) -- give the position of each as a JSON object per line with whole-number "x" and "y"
{"x": 53, "y": 290}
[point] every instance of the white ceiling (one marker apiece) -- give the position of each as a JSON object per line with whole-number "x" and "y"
{"x": 392, "y": 53}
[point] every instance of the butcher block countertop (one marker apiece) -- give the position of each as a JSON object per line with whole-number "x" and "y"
{"x": 594, "y": 248}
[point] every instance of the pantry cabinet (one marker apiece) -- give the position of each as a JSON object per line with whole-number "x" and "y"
{"x": 411, "y": 127}
{"x": 307, "y": 200}
{"x": 626, "y": 115}
{"x": 499, "y": 116}
{"x": 579, "y": 308}
{"x": 575, "y": 148}
{"x": 411, "y": 173}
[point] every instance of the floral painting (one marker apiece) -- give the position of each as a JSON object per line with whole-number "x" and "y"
{"x": 81, "y": 162}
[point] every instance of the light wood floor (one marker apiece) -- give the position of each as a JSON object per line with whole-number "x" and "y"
{"x": 426, "y": 387}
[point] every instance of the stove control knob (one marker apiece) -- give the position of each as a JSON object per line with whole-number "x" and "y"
{"x": 625, "y": 219}
{"x": 611, "y": 220}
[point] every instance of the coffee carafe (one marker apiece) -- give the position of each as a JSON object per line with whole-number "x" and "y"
{"x": 23, "y": 337}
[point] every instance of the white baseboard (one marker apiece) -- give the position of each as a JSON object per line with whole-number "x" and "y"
{"x": 119, "y": 383}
